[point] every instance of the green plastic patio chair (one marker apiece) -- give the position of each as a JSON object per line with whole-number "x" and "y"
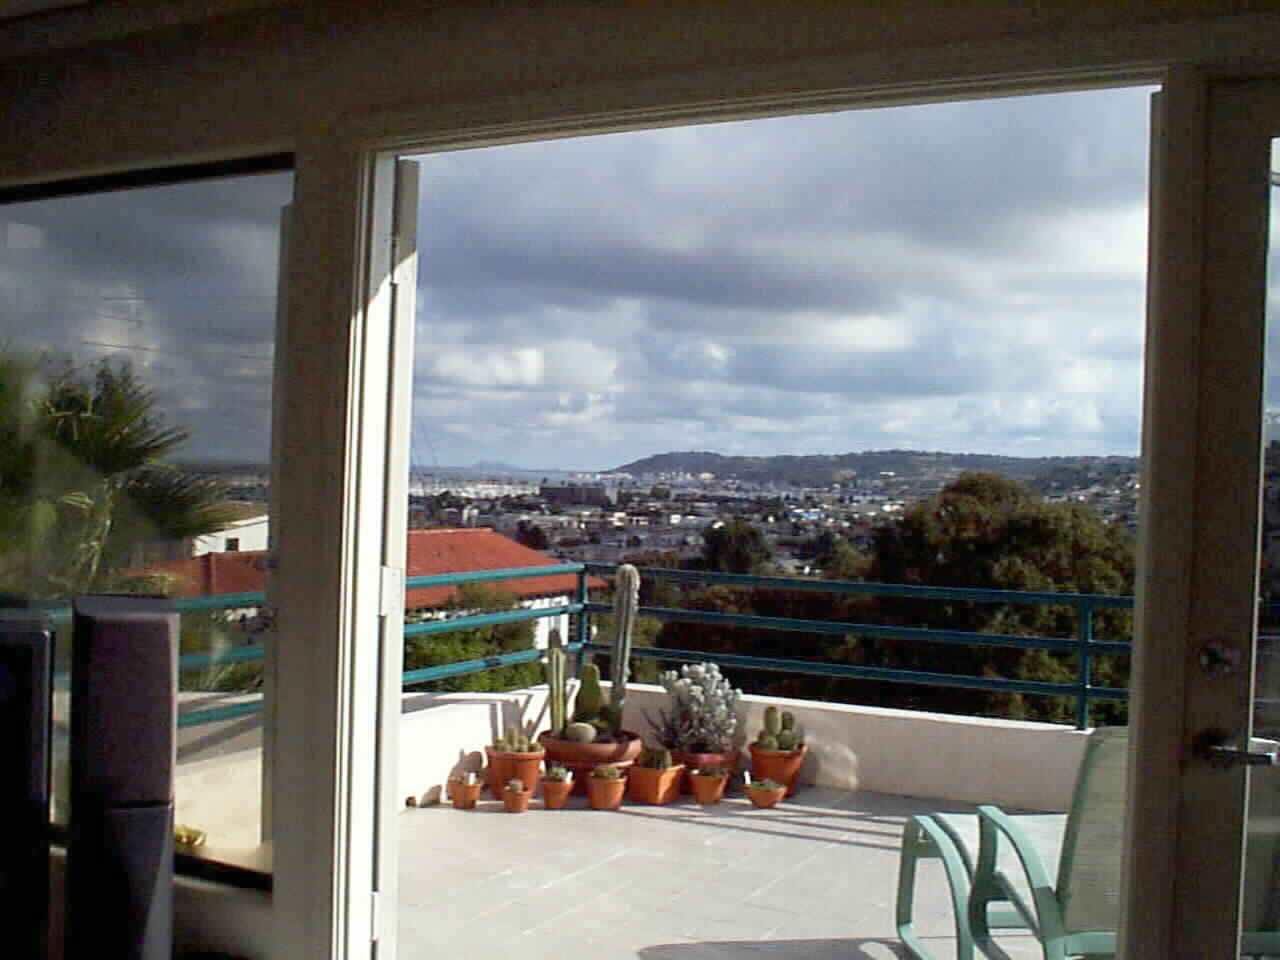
{"x": 950, "y": 837}
{"x": 1011, "y": 887}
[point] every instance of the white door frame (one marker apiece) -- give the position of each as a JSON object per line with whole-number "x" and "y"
{"x": 1198, "y": 568}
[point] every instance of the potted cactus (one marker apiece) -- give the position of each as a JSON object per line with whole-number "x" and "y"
{"x": 699, "y": 726}
{"x": 466, "y": 791}
{"x": 607, "y": 785}
{"x": 766, "y": 793}
{"x": 515, "y": 795}
{"x": 779, "y": 749}
{"x": 655, "y": 777}
{"x": 592, "y": 734}
{"x": 709, "y": 783}
{"x": 513, "y": 755}
{"x": 557, "y": 784}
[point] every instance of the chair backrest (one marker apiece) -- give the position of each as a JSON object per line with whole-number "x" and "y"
{"x": 1089, "y": 868}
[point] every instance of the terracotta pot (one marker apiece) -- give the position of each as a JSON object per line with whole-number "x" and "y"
{"x": 765, "y": 798}
{"x": 780, "y": 765}
{"x": 555, "y": 793}
{"x": 465, "y": 795}
{"x": 692, "y": 761}
{"x": 516, "y": 802}
{"x": 648, "y": 785}
{"x": 503, "y": 766}
{"x": 582, "y": 758}
{"x": 606, "y": 794}
{"x": 708, "y": 789}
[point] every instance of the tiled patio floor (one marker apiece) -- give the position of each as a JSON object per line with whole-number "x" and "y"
{"x": 813, "y": 878}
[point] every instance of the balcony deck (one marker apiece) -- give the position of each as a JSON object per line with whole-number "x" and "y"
{"x": 814, "y": 878}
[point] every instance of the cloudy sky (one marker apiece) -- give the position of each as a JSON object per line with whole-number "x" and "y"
{"x": 965, "y": 277}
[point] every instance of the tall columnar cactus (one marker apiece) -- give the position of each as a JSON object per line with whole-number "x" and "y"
{"x": 556, "y": 683}
{"x": 626, "y": 597}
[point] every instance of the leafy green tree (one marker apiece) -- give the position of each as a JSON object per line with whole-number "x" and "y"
{"x": 83, "y": 478}
{"x": 735, "y": 547}
{"x": 986, "y": 531}
{"x": 476, "y": 643}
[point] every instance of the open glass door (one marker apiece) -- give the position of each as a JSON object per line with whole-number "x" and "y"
{"x": 1201, "y": 876}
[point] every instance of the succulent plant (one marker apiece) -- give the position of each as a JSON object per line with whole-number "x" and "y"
{"x": 704, "y": 710}
{"x": 580, "y": 732}
{"x": 766, "y": 784}
{"x": 655, "y": 758}
{"x": 607, "y": 772}
{"x": 558, "y": 774}
{"x": 712, "y": 770}
{"x": 515, "y": 741}
{"x": 780, "y": 731}
{"x": 590, "y": 700}
{"x": 515, "y": 785}
{"x": 556, "y": 683}
{"x": 626, "y": 598}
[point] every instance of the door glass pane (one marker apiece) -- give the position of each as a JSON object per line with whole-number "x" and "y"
{"x": 778, "y": 364}
{"x": 1262, "y": 847}
{"x": 136, "y": 349}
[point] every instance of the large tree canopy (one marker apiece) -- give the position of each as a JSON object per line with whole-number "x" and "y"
{"x": 83, "y": 478}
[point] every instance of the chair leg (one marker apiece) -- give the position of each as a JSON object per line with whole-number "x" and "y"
{"x": 924, "y": 838}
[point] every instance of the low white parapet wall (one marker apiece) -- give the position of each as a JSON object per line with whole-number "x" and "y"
{"x": 940, "y": 756}
{"x": 1015, "y": 764}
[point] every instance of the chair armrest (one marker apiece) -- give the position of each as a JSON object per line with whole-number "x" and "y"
{"x": 1043, "y": 914}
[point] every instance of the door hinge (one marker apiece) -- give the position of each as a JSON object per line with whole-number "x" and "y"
{"x": 392, "y": 591}
{"x": 375, "y": 915}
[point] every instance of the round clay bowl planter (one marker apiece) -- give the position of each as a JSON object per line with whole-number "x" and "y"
{"x": 781, "y": 766}
{"x": 466, "y": 795}
{"x": 649, "y": 785}
{"x": 555, "y": 793}
{"x": 708, "y": 789}
{"x": 582, "y": 758}
{"x": 765, "y": 798}
{"x": 693, "y": 761}
{"x": 606, "y": 794}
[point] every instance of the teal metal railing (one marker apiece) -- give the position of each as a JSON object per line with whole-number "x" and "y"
{"x": 1083, "y": 644}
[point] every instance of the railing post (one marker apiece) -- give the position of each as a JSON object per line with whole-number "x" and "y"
{"x": 1084, "y": 634}
{"x": 584, "y": 623}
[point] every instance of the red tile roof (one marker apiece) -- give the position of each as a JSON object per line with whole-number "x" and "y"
{"x": 236, "y": 571}
{"x": 429, "y": 552}
{"x": 478, "y": 548}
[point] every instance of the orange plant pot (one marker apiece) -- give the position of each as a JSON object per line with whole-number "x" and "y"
{"x": 555, "y": 793}
{"x": 782, "y": 766}
{"x": 606, "y": 794}
{"x": 727, "y": 761}
{"x": 648, "y": 785}
{"x": 503, "y": 766}
{"x": 465, "y": 795}
{"x": 708, "y": 789}
{"x": 765, "y": 798}
{"x": 516, "y": 802}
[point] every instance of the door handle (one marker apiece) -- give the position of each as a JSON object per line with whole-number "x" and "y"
{"x": 1216, "y": 748}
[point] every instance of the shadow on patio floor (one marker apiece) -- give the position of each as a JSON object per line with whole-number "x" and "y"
{"x": 824, "y": 949}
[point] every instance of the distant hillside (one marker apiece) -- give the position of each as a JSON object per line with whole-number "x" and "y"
{"x": 821, "y": 470}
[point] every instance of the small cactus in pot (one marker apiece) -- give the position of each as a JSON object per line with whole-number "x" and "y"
{"x": 655, "y": 778}
{"x": 515, "y": 796}
{"x": 557, "y": 784}
{"x": 778, "y": 751}
{"x": 766, "y": 793}
{"x": 606, "y": 787}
